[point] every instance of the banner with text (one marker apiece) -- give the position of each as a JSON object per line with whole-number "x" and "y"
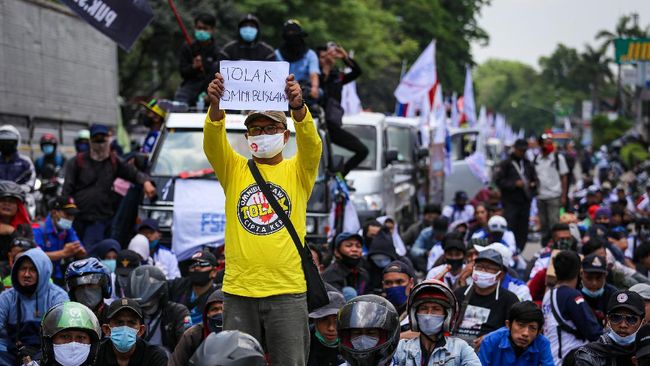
{"x": 632, "y": 50}
{"x": 199, "y": 216}
{"x": 254, "y": 85}
{"x": 120, "y": 20}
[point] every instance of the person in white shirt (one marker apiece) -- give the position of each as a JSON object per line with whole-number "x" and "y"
{"x": 552, "y": 173}
{"x": 460, "y": 210}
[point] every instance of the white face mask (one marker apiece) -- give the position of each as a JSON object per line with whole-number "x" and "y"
{"x": 71, "y": 354}
{"x": 363, "y": 342}
{"x": 266, "y": 146}
{"x": 484, "y": 279}
{"x": 430, "y": 324}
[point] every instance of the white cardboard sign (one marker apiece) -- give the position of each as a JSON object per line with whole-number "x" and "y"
{"x": 254, "y": 85}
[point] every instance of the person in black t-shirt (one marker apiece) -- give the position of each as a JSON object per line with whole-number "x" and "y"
{"x": 484, "y": 305}
{"x": 123, "y": 342}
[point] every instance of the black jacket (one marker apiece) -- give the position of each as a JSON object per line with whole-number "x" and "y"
{"x": 332, "y": 84}
{"x": 339, "y": 275}
{"x": 145, "y": 354}
{"x": 320, "y": 354}
{"x": 180, "y": 291}
{"x": 210, "y": 56}
{"x": 381, "y": 244}
{"x": 604, "y": 352}
{"x": 507, "y": 176}
{"x": 253, "y": 51}
{"x": 175, "y": 319}
{"x": 90, "y": 183}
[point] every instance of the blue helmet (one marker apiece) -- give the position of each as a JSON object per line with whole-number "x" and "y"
{"x": 89, "y": 271}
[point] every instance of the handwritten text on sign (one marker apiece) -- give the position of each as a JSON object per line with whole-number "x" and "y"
{"x": 254, "y": 85}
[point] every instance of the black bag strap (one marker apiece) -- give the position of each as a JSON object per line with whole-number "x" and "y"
{"x": 276, "y": 206}
{"x": 463, "y": 309}
{"x": 561, "y": 323}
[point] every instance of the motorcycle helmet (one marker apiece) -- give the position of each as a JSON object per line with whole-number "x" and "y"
{"x": 11, "y": 189}
{"x": 368, "y": 312}
{"x": 49, "y": 139}
{"x": 89, "y": 271}
{"x": 69, "y": 315}
{"x": 148, "y": 285}
{"x": 235, "y": 349}
{"x": 437, "y": 291}
{"x": 9, "y": 140}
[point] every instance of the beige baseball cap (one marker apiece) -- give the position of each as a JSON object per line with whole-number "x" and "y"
{"x": 276, "y": 116}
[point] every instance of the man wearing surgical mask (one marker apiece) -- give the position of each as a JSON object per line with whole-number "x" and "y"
{"x": 58, "y": 238}
{"x": 264, "y": 268}
{"x": 124, "y": 344}
{"x": 594, "y": 287}
{"x": 248, "y": 45}
{"x": 625, "y": 315}
{"x": 89, "y": 180}
{"x": 488, "y": 304}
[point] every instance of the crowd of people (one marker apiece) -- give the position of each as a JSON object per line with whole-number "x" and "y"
{"x": 85, "y": 283}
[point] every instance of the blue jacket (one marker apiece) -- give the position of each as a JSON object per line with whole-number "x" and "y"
{"x": 50, "y": 239}
{"x": 423, "y": 243}
{"x": 497, "y": 350}
{"x": 31, "y": 308}
{"x": 455, "y": 352}
{"x": 18, "y": 169}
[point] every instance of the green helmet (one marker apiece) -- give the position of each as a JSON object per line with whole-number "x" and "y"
{"x": 69, "y": 315}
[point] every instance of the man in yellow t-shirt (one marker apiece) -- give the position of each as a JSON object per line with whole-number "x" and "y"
{"x": 264, "y": 285}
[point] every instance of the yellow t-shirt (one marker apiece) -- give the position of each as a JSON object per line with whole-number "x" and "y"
{"x": 261, "y": 258}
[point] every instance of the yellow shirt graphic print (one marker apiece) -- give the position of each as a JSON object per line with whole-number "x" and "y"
{"x": 256, "y": 214}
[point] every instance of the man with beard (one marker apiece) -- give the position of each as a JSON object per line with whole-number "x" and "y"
{"x": 89, "y": 180}
{"x": 303, "y": 62}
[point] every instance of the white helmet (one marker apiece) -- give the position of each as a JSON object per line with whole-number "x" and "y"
{"x": 497, "y": 223}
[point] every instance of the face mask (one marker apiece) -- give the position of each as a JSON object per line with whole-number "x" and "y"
{"x": 248, "y": 34}
{"x": 71, "y": 354}
{"x": 99, "y": 150}
{"x": 349, "y": 261}
{"x": 153, "y": 244}
{"x": 622, "y": 341}
{"x": 8, "y": 148}
{"x": 325, "y": 342}
{"x": 82, "y": 147}
{"x": 48, "y": 149}
{"x": 202, "y": 35}
{"x": 430, "y": 324}
{"x": 110, "y": 263}
{"x": 199, "y": 278}
{"x": 381, "y": 260}
{"x": 596, "y": 293}
{"x": 484, "y": 279}
{"x": 548, "y": 148}
{"x": 91, "y": 297}
{"x": 266, "y": 146}
{"x": 215, "y": 323}
{"x": 64, "y": 224}
{"x": 123, "y": 338}
{"x": 396, "y": 295}
{"x": 455, "y": 264}
{"x": 364, "y": 342}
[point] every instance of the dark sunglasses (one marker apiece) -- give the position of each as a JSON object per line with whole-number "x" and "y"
{"x": 629, "y": 319}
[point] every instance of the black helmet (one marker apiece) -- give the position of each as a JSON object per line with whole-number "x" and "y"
{"x": 148, "y": 285}
{"x": 436, "y": 291}
{"x": 249, "y": 18}
{"x": 11, "y": 189}
{"x": 69, "y": 315}
{"x": 235, "y": 348}
{"x": 368, "y": 312}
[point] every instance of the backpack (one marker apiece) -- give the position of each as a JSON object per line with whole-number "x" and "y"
{"x": 557, "y": 161}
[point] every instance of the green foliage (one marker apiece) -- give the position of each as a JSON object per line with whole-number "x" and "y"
{"x": 605, "y": 131}
{"x": 633, "y": 154}
{"x": 381, "y": 32}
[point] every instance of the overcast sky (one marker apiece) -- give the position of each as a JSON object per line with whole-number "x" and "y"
{"x": 524, "y": 30}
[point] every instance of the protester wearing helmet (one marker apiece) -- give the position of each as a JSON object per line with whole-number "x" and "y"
{"x": 303, "y": 62}
{"x": 235, "y": 349}
{"x": 487, "y": 303}
{"x": 89, "y": 282}
{"x": 51, "y": 162}
{"x": 248, "y": 46}
{"x": 368, "y": 329}
{"x": 433, "y": 310}
{"x": 212, "y": 322}
{"x": 193, "y": 290}
{"x": 165, "y": 320}
{"x": 70, "y": 334}
{"x": 124, "y": 331}
{"x": 14, "y": 166}
{"x": 14, "y": 219}
{"x": 58, "y": 238}
{"x": 347, "y": 271}
{"x": 520, "y": 342}
{"x": 324, "y": 342}
{"x": 22, "y": 306}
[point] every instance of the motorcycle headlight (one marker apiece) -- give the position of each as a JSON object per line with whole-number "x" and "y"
{"x": 164, "y": 218}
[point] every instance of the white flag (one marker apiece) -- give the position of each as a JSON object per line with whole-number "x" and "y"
{"x": 455, "y": 118}
{"x": 420, "y": 78}
{"x": 469, "y": 105}
{"x": 350, "y": 99}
